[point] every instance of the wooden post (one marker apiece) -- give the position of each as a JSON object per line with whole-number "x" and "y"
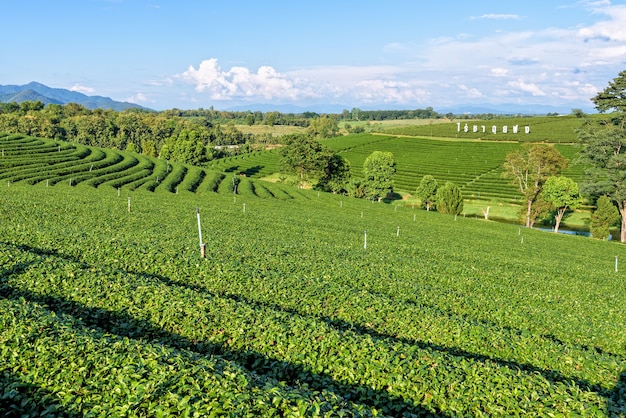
{"x": 202, "y": 246}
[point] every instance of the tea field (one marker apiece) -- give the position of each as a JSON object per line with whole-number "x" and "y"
{"x": 475, "y": 166}
{"x": 309, "y": 306}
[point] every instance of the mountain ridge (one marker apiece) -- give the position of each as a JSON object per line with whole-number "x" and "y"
{"x": 49, "y": 95}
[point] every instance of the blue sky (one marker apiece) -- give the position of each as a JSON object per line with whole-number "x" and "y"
{"x": 383, "y": 54}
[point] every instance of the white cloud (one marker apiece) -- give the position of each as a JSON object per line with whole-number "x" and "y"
{"x": 499, "y": 72}
{"x": 613, "y": 29}
{"x": 531, "y": 88}
{"x": 497, "y": 16}
{"x": 472, "y": 93}
{"x": 138, "y": 98}
{"x": 240, "y": 82}
{"x": 79, "y": 88}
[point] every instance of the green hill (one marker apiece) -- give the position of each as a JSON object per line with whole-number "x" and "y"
{"x": 311, "y": 306}
{"x": 476, "y": 166}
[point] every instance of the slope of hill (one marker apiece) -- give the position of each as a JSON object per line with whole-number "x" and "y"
{"x": 37, "y": 91}
{"x": 105, "y": 309}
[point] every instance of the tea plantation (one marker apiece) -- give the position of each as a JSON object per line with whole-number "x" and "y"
{"x": 306, "y": 304}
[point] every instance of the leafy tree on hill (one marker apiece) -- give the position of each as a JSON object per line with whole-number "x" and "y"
{"x": 562, "y": 192}
{"x": 605, "y": 148}
{"x": 323, "y": 127}
{"x": 335, "y": 175}
{"x": 529, "y": 168}
{"x": 614, "y": 96}
{"x": 427, "y": 191}
{"x": 603, "y": 218}
{"x": 449, "y": 199}
{"x": 305, "y": 156}
{"x": 379, "y": 168}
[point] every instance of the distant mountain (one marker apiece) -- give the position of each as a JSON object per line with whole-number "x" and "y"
{"x": 48, "y": 95}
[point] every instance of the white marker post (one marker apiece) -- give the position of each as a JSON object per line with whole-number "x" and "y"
{"x": 118, "y": 192}
{"x": 365, "y": 240}
{"x": 244, "y": 208}
{"x": 202, "y": 246}
{"x": 615, "y": 264}
{"x": 398, "y": 232}
{"x": 128, "y": 204}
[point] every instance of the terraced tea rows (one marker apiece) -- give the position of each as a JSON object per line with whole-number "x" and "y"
{"x": 476, "y": 166}
{"x": 106, "y": 312}
{"x": 35, "y": 160}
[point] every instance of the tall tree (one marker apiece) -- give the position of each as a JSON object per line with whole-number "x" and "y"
{"x": 562, "y": 192}
{"x": 605, "y": 148}
{"x": 449, "y": 199}
{"x": 335, "y": 175}
{"x": 379, "y": 168}
{"x": 613, "y": 96}
{"x": 605, "y": 152}
{"x": 304, "y": 155}
{"x": 323, "y": 127}
{"x": 529, "y": 168}
{"x": 603, "y": 218}
{"x": 426, "y": 191}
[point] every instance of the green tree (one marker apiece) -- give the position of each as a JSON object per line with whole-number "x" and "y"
{"x": 529, "y": 168}
{"x": 449, "y": 199}
{"x": 305, "y": 156}
{"x": 603, "y": 218}
{"x": 563, "y": 194}
{"x": 323, "y": 127}
{"x": 378, "y": 169}
{"x": 613, "y": 96}
{"x": 605, "y": 148}
{"x": 427, "y": 191}
{"x": 605, "y": 153}
{"x": 540, "y": 208}
{"x": 335, "y": 175}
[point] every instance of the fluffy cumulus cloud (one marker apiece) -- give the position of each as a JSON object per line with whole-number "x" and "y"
{"x": 242, "y": 83}
{"x": 350, "y": 84}
{"x": 522, "y": 86}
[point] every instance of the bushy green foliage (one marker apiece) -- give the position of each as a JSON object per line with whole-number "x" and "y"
{"x": 563, "y": 194}
{"x": 378, "y": 169}
{"x": 449, "y": 199}
{"x": 427, "y": 192}
{"x": 603, "y": 218}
